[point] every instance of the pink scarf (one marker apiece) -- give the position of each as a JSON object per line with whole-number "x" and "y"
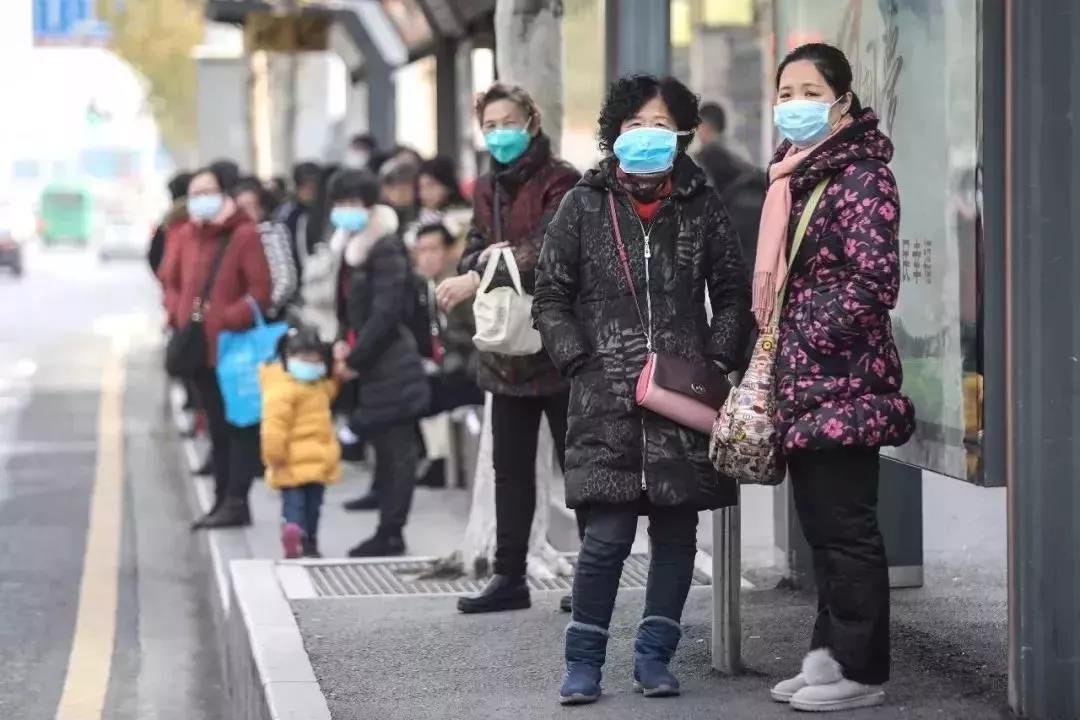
{"x": 771, "y": 262}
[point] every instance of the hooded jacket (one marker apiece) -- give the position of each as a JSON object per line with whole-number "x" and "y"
{"x": 617, "y": 451}
{"x": 838, "y": 373}
{"x": 243, "y": 272}
{"x": 528, "y": 192}
{"x": 297, "y": 431}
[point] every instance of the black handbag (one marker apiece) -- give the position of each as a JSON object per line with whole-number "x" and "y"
{"x": 187, "y": 349}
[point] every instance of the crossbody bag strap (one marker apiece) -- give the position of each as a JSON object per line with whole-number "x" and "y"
{"x": 208, "y": 286}
{"x": 796, "y": 243}
{"x": 624, "y": 260}
{"x": 496, "y": 209}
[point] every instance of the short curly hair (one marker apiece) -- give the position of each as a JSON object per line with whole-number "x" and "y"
{"x": 626, "y": 96}
{"x": 501, "y": 91}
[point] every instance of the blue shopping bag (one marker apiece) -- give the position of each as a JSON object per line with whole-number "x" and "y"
{"x": 239, "y": 356}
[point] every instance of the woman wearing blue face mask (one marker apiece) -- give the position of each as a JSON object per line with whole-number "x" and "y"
{"x": 646, "y": 217}
{"x": 512, "y": 206}
{"x": 219, "y": 259}
{"x": 837, "y": 370}
{"x": 364, "y": 274}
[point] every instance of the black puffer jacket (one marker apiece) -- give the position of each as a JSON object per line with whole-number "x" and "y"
{"x": 392, "y": 387}
{"x": 585, "y": 312}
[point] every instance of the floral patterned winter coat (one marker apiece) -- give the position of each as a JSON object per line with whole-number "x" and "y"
{"x": 617, "y": 452}
{"x": 838, "y": 374}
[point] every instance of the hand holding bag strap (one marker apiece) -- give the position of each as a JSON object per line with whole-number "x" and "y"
{"x": 796, "y": 243}
{"x": 624, "y": 260}
{"x": 215, "y": 266}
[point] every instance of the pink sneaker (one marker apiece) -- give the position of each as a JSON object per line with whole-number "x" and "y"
{"x": 292, "y": 540}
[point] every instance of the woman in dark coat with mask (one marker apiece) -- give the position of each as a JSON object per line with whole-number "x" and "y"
{"x": 622, "y": 460}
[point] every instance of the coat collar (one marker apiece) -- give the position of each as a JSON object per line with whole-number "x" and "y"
{"x": 514, "y": 175}
{"x": 687, "y": 178}
{"x": 357, "y": 246}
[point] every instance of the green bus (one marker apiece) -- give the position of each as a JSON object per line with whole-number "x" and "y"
{"x": 66, "y": 215}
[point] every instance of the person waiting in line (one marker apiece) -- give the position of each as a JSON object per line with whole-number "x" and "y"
{"x": 296, "y": 213}
{"x": 299, "y": 447}
{"x": 622, "y": 460}
{"x": 253, "y": 198}
{"x": 219, "y": 233}
{"x": 379, "y": 351}
{"x": 228, "y": 174}
{"x": 838, "y": 373}
{"x": 741, "y": 185}
{"x": 360, "y": 151}
{"x": 174, "y": 218}
{"x": 397, "y": 187}
{"x": 512, "y": 206}
{"x": 439, "y": 193}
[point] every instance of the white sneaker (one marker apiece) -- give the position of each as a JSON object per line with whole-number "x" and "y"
{"x": 785, "y": 689}
{"x": 842, "y": 695}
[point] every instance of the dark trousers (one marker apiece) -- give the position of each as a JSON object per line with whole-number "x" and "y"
{"x": 396, "y": 455}
{"x": 836, "y": 496}
{"x": 235, "y": 450}
{"x": 515, "y": 427}
{"x": 303, "y": 505}
{"x": 609, "y": 534}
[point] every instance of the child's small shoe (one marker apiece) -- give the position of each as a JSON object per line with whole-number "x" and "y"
{"x": 292, "y": 537}
{"x": 310, "y": 549}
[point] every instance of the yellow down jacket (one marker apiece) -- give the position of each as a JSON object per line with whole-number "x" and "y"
{"x": 299, "y": 444}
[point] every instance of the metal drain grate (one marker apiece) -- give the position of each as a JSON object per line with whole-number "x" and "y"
{"x": 402, "y": 577}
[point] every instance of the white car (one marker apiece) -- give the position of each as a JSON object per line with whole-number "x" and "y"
{"x": 123, "y": 240}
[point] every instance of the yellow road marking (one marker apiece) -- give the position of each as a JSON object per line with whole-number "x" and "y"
{"x": 87, "y": 679}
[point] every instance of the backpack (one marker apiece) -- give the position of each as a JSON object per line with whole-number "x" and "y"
{"x": 283, "y": 281}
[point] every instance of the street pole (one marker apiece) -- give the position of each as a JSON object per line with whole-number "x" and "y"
{"x": 1042, "y": 355}
{"x": 727, "y": 590}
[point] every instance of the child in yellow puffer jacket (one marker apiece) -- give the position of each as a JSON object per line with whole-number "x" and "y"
{"x": 299, "y": 443}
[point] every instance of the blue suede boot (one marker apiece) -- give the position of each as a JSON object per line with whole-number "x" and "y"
{"x": 654, "y": 647}
{"x": 586, "y": 647}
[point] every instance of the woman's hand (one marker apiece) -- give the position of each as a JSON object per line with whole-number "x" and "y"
{"x": 341, "y": 350}
{"x": 342, "y": 372}
{"x": 490, "y": 249}
{"x": 454, "y": 291}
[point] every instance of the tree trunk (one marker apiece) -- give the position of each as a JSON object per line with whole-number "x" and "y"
{"x": 529, "y": 53}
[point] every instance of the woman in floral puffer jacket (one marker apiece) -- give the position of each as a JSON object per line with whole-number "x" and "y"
{"x": 838, "y": 373}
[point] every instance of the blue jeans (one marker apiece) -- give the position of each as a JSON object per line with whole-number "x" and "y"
{"x": 302, "y": 505}
{"x": 609, "y": 534}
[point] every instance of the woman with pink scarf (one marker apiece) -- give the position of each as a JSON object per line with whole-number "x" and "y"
{"x": 838, "y": 374}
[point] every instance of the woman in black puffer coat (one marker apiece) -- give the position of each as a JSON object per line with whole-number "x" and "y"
{"x": 375, "y": 300}
{"x": 622, "y": 460}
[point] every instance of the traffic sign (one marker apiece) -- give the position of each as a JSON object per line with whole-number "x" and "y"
{"x": 68, "y": 22}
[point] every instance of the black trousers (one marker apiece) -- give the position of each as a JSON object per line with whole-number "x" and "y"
{"x": 515, "y": 426}
{"x": 396, "y": 454}
{"x": 836, "y": 497}
{"x": 236, "y": 453}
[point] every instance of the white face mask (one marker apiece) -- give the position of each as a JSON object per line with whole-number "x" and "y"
{"x": 357, "y": 159}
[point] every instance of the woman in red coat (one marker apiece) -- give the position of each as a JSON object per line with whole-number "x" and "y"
{"x": 242, "y": 276}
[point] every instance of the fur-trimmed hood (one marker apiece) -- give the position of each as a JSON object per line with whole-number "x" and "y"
{"x": 354, "y": 247}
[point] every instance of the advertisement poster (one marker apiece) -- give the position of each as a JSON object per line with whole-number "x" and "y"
{"x": 916, "y": 64}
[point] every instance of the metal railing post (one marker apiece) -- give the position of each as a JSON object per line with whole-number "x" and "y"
{"x": 726, "y": 589}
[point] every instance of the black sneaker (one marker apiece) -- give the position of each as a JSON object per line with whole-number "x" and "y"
{"x": 503, "y": 592}
{"x": 380, "y": 545}
{"x": 232, "y": 513}
{"x": 310, "y": 549}
{"x": 566, "y": 603}
{"x": 366, "y": 502}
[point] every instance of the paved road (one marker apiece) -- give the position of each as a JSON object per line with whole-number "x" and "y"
{"x": 69, "y": 326}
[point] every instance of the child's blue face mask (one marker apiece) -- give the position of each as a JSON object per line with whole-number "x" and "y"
{"x": 305, "y": 370}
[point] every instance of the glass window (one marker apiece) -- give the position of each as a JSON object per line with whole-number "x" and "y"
{"x": 916, "y": 63}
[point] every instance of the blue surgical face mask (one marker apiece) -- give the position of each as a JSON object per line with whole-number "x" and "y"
{"x": 803, "y": 122}
{"x": 507, "y": 144}
{"x": 350, "y": 219}
{"x": 205, "y": 207}
{"x": 647, "y": 150}
{"x": 305, "y": 370}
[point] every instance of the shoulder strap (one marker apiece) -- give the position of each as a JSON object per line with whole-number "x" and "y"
{"x": 496, "y": 209}
{"x": 215, "y": 265}
{"x": 796, "y": 243}
{"x": 624, "y": 258}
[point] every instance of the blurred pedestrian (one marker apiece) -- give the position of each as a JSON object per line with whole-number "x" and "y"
{"x": 513, "y": 205}
{"x": 299, "y": 444}
{"x": 379, "y": 350}
{"x": 228, "y": 174}
{"x": 253, "y": 198}
{"x": 741, "y": 185}
{"x": 439, "y": 195}
{"x": 220, "y": 259}
{"x": 397, "y": 187}
{"x": 296, "y": 213}
{"x": 361, "y": 149}
{"x": 602, "y": 306}
{"x": 838, "y": 373}
{"x": 175, "y": 217}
